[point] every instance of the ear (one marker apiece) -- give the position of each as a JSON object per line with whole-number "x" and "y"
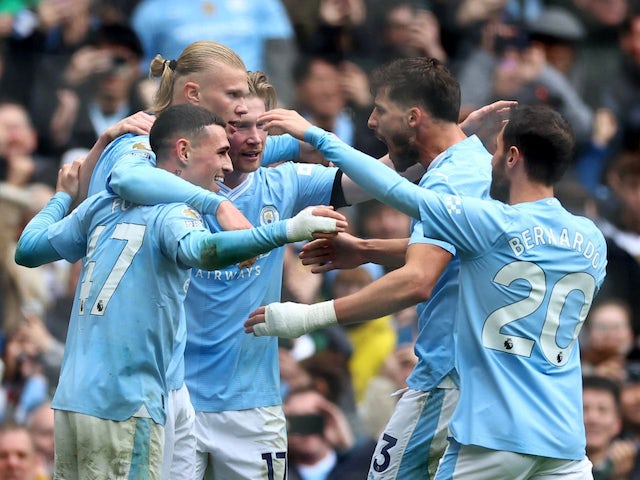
{"x": 514, "y": 156}
{"x": 192, "y": 93}
{"x": 183, "y": 148}
{"x": 414, "y": 116}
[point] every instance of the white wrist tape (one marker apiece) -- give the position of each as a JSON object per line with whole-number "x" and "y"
{"x": 305, "y": 223}
{"x": 291, "y": 320}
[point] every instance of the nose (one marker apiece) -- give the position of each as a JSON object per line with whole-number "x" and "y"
{"x": 227, "y": 166}
{"x": 254, "y": 137}
{"x": 241, "y": 107}
{"x": 372, "y": 123}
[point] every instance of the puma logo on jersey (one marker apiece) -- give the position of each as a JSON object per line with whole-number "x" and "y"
{"x": 453, "y": 204}
{"x": 141, "y": 146}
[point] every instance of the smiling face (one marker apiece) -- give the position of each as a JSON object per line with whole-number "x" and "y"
{"x": 208, "y": 158}
{"x": 248, "y": 140}
{"x": 601, "y": 419}
{"x": 388, "y": 120}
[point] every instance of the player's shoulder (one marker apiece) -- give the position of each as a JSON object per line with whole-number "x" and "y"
{"x": 130, "y": 141}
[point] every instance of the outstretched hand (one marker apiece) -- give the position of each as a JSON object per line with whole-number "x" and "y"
{"x": 339, "y": 252}
{"x": 316, "y": 222}
{"x": 280, "y": 120}
{"x": 486, "y": 122}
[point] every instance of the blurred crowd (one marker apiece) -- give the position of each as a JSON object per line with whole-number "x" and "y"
{"x": 71, "y": 68}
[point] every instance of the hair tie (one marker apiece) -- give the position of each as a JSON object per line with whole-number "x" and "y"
{"x": 172, "y": 64}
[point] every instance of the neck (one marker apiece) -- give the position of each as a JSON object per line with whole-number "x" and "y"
{"x": 526, "y": 191}
{"x": 233, "y": 179}
{"x": 436, "y": 138}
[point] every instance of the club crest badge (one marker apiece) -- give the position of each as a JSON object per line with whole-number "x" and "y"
{"x": 268, "y": 215}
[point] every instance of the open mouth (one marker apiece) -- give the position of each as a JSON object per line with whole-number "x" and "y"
{"x": 252, "y": 154}
{"x": 219, "y": 178}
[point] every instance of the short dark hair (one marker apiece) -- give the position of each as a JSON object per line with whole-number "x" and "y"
{"x": 117, "y": 34}
{"x": 423, "y": 81}
{"x": 186, "y": 120}
{"x": 545, "y": 139}
{"x": 595, "y": 382}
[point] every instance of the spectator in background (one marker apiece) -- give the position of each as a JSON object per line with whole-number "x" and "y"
{"x": 321, "y": 443}
{"x": 103, "y": 86}
{"x": 384, "y": 390}
{"x": 619, "y": 220}
{"x": 508, "y": 64}
{"x": 373, "y": 341}
{"x": 40, "y": 425}
{"x": 320, "y": 98}
{"x": 559, "y": 33}
{"x": 603, "y": 423}
{"x": 19, "y": 162}
{"x": 24, "y": 385}
{"x": 627, "y": 450}
{"x": 608, "y": 340}
{"x": 377, "y": 220}
{"x": 621, "y": 90}
{"x": 408, "y": 29}
{"x": 38, "y": 56}
{"x": 259, "y": 32}
{"x": 18, "y": 458}
{"x": 600, "y": 51}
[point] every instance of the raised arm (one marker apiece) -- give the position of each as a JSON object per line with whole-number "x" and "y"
{"x": 135, "y": 179}
{"x": 399, "y": 289}
{"x": 139, "y": 123}
{"x": 346, "y": 251}
{"x": 380, "y": 181}
{"x": 34, "y": 248}
{"x": 217, "y": 250}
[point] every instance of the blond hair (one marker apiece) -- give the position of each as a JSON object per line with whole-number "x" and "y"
{"x": 196, "y": 58}
{"x": 260, "y": 87}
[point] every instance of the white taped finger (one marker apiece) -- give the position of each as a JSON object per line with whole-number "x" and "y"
{"x": 305, "y": 224}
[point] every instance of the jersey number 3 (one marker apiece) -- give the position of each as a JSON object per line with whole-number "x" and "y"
{"x": 493, "y": 338}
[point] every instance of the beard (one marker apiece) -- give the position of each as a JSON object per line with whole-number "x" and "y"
{"x": 405, "y": 153}
{"x": 499, "y": 189}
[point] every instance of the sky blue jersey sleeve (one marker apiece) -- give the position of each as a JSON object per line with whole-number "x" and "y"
{"x": 211, "y": 251}
{"x": 135, "y": 178}
{"x": 34, "y": 248}
{"x": 280, "y": 148}
{"x": 380, "y": 181}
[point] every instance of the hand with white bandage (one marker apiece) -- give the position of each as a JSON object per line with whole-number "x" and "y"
{"x": 290, "y": 320}
{"x": 315, "y": 222}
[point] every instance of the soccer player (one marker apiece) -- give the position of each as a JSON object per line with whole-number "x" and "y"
{"x": 210, "y": 75}
{"x": 111, "y": 399}
{"x": 217, "y": 347}
{"x": 528, "y": 273}
{"x": 416, "y": 110}
{"x": 232, "y": 378}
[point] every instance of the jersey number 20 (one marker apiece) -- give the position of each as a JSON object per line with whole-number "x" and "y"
{"x": 493, "y": 338}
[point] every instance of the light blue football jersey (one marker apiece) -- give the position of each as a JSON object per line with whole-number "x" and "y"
{"x": 226, "y": 369}
{"x": 528, "y": 275}
{"x": 131, "y": 151}
{"x": 120, "y": 343}
{"x": 462, "y": 169}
